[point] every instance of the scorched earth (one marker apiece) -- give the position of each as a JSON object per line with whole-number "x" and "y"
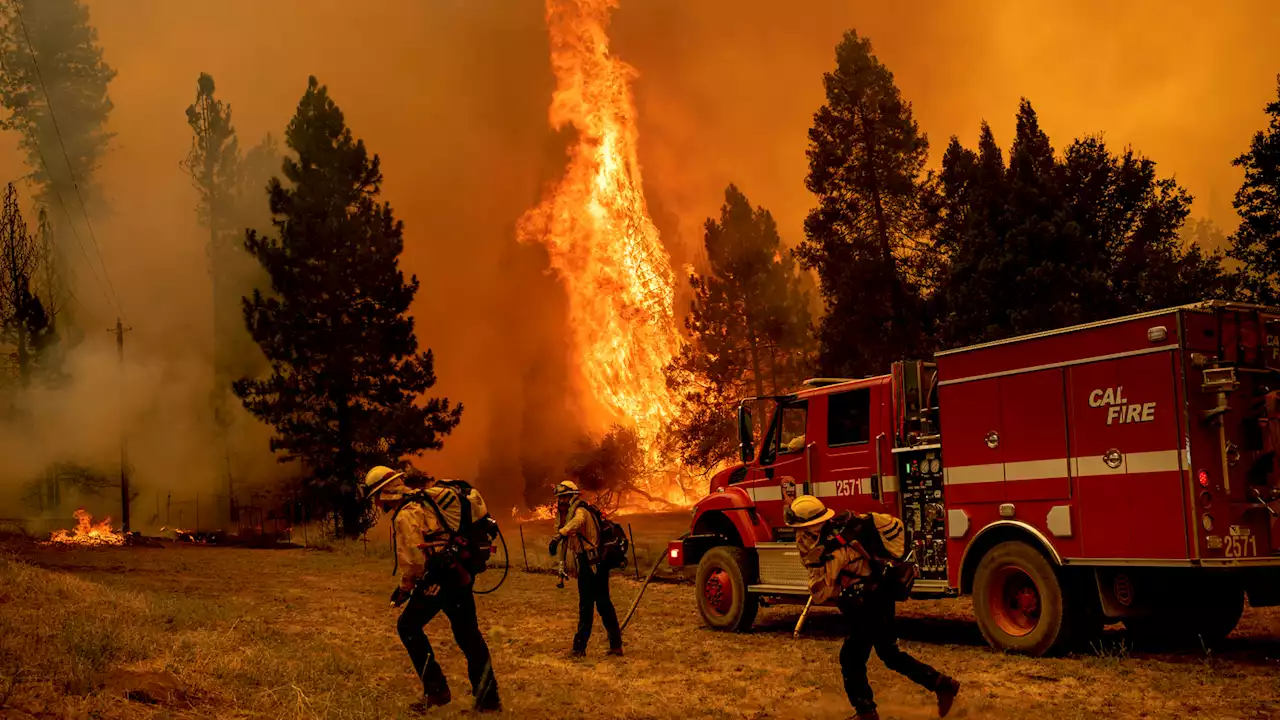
{"x": 207, "y": 632}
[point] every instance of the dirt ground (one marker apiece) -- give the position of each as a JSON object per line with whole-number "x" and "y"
{"x": 204, "y": 632}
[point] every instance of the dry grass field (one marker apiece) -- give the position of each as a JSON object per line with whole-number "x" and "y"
{"x": 203, "y": 632}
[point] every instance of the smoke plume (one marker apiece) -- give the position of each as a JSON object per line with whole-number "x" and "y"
{"x": 454, "y": 97}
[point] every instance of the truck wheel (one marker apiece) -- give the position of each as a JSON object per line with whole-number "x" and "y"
{"x": 1019, "y": 602}
{"x": 723, "y": 599}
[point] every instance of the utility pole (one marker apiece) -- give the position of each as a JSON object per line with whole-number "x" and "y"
{"x": 119, "y": 331}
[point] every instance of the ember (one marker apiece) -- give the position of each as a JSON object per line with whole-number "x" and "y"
{"x": 86, "y": 533}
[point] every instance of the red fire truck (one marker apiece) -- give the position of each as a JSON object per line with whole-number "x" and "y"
{"x": 1123, "y": 470}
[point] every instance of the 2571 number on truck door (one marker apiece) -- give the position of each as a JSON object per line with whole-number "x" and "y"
{"x": 1124, "y": 470}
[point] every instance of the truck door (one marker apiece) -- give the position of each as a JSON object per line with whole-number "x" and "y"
{"x": 856, "y": 467}
{"x": 783, "y": 462}
{"x": 1126, "y": 458}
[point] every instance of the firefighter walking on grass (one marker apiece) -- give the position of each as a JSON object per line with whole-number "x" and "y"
{"x": 847, "y": 557}
{"x": 433, "y": 580}
{"x": 580, "y": 533}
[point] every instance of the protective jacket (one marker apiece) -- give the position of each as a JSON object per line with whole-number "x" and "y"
{"x": 831, "y": 573}
{"x": 419, "y": 534}
{"x": 579, "y": 529}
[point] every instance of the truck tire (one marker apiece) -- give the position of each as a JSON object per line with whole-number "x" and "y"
{"x": 1020, "y": 602}
{"x": 723, "y": 600}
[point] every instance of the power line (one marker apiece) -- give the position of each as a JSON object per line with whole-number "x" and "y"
{"x": 35, "y": 140}
{"x": 70, "y": 221}
{"x": 67, "y": 158}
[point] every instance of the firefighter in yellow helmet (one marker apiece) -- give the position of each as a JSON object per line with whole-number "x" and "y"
{"x": 844, "y": 555}
{"x": 431, "y": 585}
{"x": 580, "y": 532}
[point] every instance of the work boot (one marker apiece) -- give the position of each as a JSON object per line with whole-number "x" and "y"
{"x": 948, "y": 688}
{"x": 617, "y": 650}
{"x": 492, "y": 704}
{"x": 576, "y": 653}
{"x": 873, "y": 715}
{"x": 431, "y": 700}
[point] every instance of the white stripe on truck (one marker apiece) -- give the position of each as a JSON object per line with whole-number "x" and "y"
{"x": 1089, "y": 466}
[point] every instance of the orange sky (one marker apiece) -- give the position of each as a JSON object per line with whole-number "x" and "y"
{"x": 453, "y": 95}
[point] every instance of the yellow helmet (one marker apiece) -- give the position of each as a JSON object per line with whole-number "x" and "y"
{"x": 378, "y": 478}
{"x": 806, "y": 511}
{"x": 568, "y": 487}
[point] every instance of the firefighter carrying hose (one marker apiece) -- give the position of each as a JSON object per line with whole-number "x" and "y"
{"x": 432, "y": 580}
{"x": 580, "y": 532}
{"x": 846, "y": 558}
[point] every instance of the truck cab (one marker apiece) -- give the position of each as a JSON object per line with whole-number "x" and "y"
{"x": 1121, "y": 470}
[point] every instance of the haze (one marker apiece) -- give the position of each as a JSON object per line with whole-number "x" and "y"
{"x": 452, "y": 94}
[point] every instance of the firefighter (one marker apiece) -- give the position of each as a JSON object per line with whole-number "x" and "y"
{"x": 432, "y": 581}
{"x": 580, "y": 534}
{"x": 849, "y": 572}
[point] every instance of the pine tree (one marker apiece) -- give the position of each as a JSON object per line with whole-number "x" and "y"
{"x": 1256, "y": 242}
{"x": 212, "y": 165}
{"x": 346, "y": 373}
{"x": 53, "y": 65}
{"x": 866, "y": 156}
{"x": 1048, "y": 242}
{"x": 748, "y": 331}
{"x": 24, "y": 323}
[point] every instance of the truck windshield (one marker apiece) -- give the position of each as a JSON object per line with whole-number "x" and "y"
{"x": 791, "y": 431}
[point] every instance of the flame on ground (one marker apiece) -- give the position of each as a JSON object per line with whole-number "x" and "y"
{"x": 596, "y": 227}
{"x": 86, "y": 533}
{"x": 541, "y": 512}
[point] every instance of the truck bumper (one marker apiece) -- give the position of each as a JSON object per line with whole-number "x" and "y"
{"x": 675, "y": 553}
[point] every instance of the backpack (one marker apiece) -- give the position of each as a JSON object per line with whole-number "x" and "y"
{"x": 884, "y": 539}
{"x": 612, "y": 551}
{"x": 471, "y": 544}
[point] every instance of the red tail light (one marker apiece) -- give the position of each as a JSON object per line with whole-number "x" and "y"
{"x": 1203, "y": 478}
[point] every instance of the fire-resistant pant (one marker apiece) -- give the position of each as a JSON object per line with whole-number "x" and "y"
{"x": 593, "y": 595}
{"x": 871, "y": 624}
{"x": 459, "y": 606}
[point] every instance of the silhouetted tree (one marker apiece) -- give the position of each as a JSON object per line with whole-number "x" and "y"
{"x": 1256, "y": 242}
{"x": 612, "y": 467}
{"x": 866, "y": 156}
{"x": 211, "y": 163}
{"x": 748, "y": 330}
{"x": 25, "y": 328}
{"x": 48, "y": 46}
{"x": 1048, "y": 242}
{"x": 347, "y": 375}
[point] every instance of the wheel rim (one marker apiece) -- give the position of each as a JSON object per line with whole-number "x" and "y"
{"x": 1014, "y": 601}
{"x": 718, "y": 592}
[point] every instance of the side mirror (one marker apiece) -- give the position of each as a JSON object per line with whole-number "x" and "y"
{"x": 746, "y": 443}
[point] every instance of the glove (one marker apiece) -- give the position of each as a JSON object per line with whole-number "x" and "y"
{"x": 398, "y": 596}
{"x": 555, "y": 543}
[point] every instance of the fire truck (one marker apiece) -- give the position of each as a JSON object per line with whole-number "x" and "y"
{"x": 1119, "y": 471}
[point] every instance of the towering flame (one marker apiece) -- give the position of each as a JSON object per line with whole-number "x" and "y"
{"x": 597, "y": 229}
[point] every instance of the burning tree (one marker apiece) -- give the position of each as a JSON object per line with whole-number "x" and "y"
{"x": 346, "y": 371}
{"x": 600, "y": 238}
{"x": 614, "y": 467}
{"x": 748, "y": 332}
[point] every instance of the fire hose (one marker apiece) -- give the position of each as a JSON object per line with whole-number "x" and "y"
{"x": 652, "y": 571}
{"x": 506, "y": 566}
